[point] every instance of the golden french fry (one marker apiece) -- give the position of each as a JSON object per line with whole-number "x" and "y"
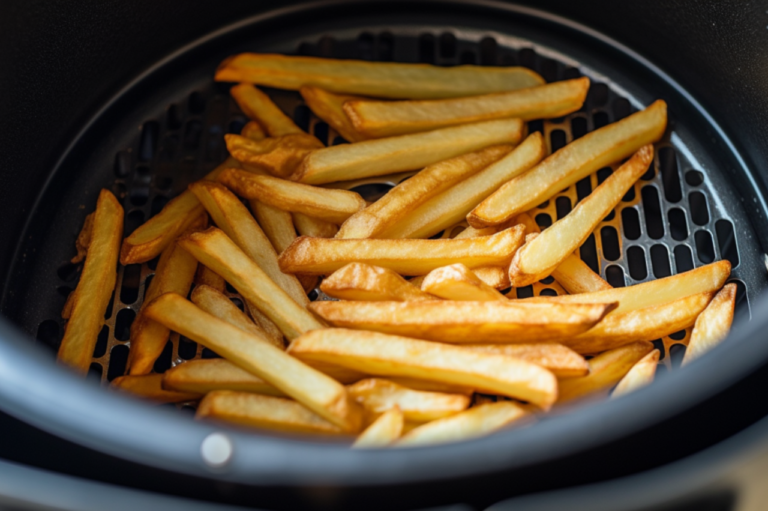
{"x": 216, "y": 250}
{"x": 378, "y": 395}
{"x": 713, "y": 324}
{"x": 279, "y": 156}
{"x": 405, "y": 152}
{"x": 409, "y": 194}
{"x": 266, "y": 412}
{"x": 316, "y": 256}
{"x": 544, "y": 253}
{"x": 97, "y": 283}
{"x": 375, "y": 79}
{"x": 232, "y": 217}
{"x": 276, "y": 224}
{"x": 83, "y": 239}
{"x": 202, "y": 376}
{"x": 562, "y": 361}
{"x": 510, "y": 321}
{"x": 324, "y": 203}
{"x": 477, "y": 421}
{"x": 452, "y": 205}
{"x": 149, "y": 386}
{"x": 313, "y": 227}
{"x": 388, "y": 118}
{"x": 328, "y": 106}
{"x": 253, "y": 130}
{"x": 495, "y": 276}
{"x": 641, "y": 374}
{"x": 471, "y": 232}
{"x": 266, "y": 324}
{"x": 573, "y": 162}
{"x": 207, "y": 277}
{"x": 381, "y": 354}
{"x": 259, "y": 107}
{"x": 358, "y": 281}
{"x": 257, "y": 355}
{"x": 431, "y": 386}
{"x": 383, "y": 431}
{"x": 605, "y": 370}
{"x": 457, "y": 282}
{"x": 577, "y": 277}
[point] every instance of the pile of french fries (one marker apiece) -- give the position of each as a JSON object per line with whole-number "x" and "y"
{"x": 421, "y": 325}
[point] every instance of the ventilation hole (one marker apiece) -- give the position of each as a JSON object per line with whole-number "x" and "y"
{"x": 447, "y": 45}
{"x": 101, "y": 343}
{"x": 339, "y": 140}
{"x": 621, "y": 109}
{"x": 143, "y": 175}
{"x": 571, "y": 73}
{"x": 230, "y": 289}
{"x": 163, "y": 362}
{"x": 694, "y": 177}
{"x": 650, "y": 173}
{"x": 192, "y": 132}
{"x": 152, "y": 263}
{"x": 629, "y": 196}
{"x": 437, "y": 236}
{"x": 386, "y": 47}
{"x": 238, "y": 303}
{"x": 209, "y": 353}
{"x": 325, "y": 46}
{"x": 578, "y": 127}
{"x": 548, "y": 292}
{"x": 543, "y": 220}
{"x": 64, "y": 291}
{"x": 321, "y": 132}
{"x": 118, "y": 358}
{"x": 536, "y": 126}
{"x": 678, "y": 336}
{"x": 372, "y": 192}
{"x": 588, "y": 253}
{"x": 139, "y": 196}
{"x": 312, "y": 295}
{"x": 610, "y": 216}
{"x": 527, "y": 58}
{"x": 68, "y": 271}
{"x": 196, "y": 103}
{"x": 563, "y": 206}
{"x": 615, "y": 276}
{"x": 660, "y": 261}
{"x": 110, "y": 305}
{"x": 187, "y": 348}
{"x": 741, "y": 313}
{"x": 598, "y": 94}
{"x": 603, "y": 174}
{"x": 94, "y": 373}
{"x": 600, "y": 119}
{"x": 548, "y": 70}
{"x": 678, "y": 228}
{"x": 670, "y": 176}
{"x": 557, "y": 139}
{"x": 488, "y": 51}
{"x": 147, "y": 283}
{"x": 698, "y": 205}
{"x": 236, "y": 126}
{"x": 173, "y": 117}
{"x": 508, "y": 59}
{"x": 630, "y": 220}
{"x": 683, "y": 258}
{"x": 676, "y": 354}
{"x": 123, "y": 324}
{"x": 547, "y": 280}
{"x": 427, "y": 48}
{"x": 583, "y": 189}
{"x": 365, "y": 47}
{"x": 48, "y": 333}
{"x": 659, "y": 345}
{"x": 611, "y": 246}
{"x": 148, "y": 141}
{"x": 158, "y": 203}
{"x": 524, "y": 292}
{"x": 705, "y": 248}
{"x": 122, "y": 164}
{"x": 301, "y": 116}
{"x": 467, "y": 57}
{"x": 727, "y": 242}
{"x": 129, "y": 291}
{"x": 163, "y": 183}
{"x": 636, "y": 262}
{"x": 543, "y": 204}
{"x": 652, "y": 207}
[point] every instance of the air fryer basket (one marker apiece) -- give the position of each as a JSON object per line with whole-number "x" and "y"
{"x": 166, "y": 130}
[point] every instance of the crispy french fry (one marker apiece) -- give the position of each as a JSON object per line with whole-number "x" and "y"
{"x": 378, "y": 395}
{"x": 641, "y": 374}
{"x": 381, "y": 354}
{"x": 83, "y": 239}
{"x": 266, "y": 324}
{"x": 431, "y": 386}
{"x": 232, "y": 217}
{"x": 202, "y": 376}
{"x": 149, "y": 386}
{"x": 570, "y": 164}
{"x": 405, "y": 152}
{"x": 254, "y": 131}
{"x": 358, "y": 281}
{"x": 328, "y": 106}
{"x": 712, "y": 325}
{"x": 259, "y": 107}
{"x": 276, "y": 224}
{"x": 313, "y": 227}
{"x": 375, "y": 79}
{"x": 324, "y": 203}
{"x": 452, "y": 205}
{"x": 510, "y": 321}
{"x": 477, "y": 421}
{"x": 457, "y": 282}
{"x": 494, "y": 276}
{"x": 471, "y": 232}
{"x": 383, "y": 431}
{"x": 605, "y": 370}
{"x": 408, "y": 195}
{"x": 388, "y": 118}
{"x": 544, "y": 253}
{"x": 561, "y": 360}
{"x": 207, "y": 277}
{"x": 576, "y": 277}
{"x": 216, "y": 250}
{"x": 97, "y": 283}
{"x": 316, "y": 256}
{"x": 279, "y": 156}
{"x": 265, "y": 412}
{"x": 255, "y": 354}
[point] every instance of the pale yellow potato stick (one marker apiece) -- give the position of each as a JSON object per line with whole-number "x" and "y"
{"x": 641, "y": 374}
{"x": 712, "y": 325}
{"x": 561, "y": 360}
{"x": 328, "y": 107}
{"x": 577, "y": 277}
{"x": 207, "y": 277}
{"x": 386, "y": 429}
{"x": 276, "y": 224}
{"x": 149, "y": 386}
{"x": 259, "y": 107}
{"x": 266, "y": 324}
{"x": 202, "y": 376}
{"x": 358, "y": 281}
{"x": 378, "y": 395}
{"x": 314, "y": 227}
{"x": 457, "y": 282}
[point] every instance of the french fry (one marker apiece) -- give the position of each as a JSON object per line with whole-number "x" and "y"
{"x": 712, "y": 325}
{"x": 255, "y": 354}
{"x": 232, "y": 217}
{"x": 471, "y": 232}
{"x": 386, "y": 355}
{"x": 317, "y": 256}
{"x": 405, "y": 152}
{"x": 431, "y": 386}
{"x": 254, "y": 131}
{"x": 276, "y": 224}
{"x": 576, "y": 277}
{"x": 562, "y": 361}
{"x": 358, "y": 281}
{"x": 259, "y": 107}
{"x": 383, "y": 431}
{"x": 573, "y": 162}
{"x": 375, "y": 79}
{"x": 477, "y": 421}
{"x": 279, "y": 156}
{"x": 97, "y": 283}
{"x": 544, "y": 253}
{"x": 494, "y": 276}
{"x": 405, "y": 197}
{"x": 452, "y": 206}
{"x": 510, "y": 321}
{"x": 265, "y": 412}
{"x": 378, "y": 395}
{"x": 216, "y": 250}
{"x": 313, "y": 227}
{"x": 202, "y": 376}
{"x": 83, "y": 240}
{"x": 149, "y": 386}
{"x": 263, "y": 322}
{"x": 457, "y": 282}
{"x": 324, "y": 203}
{"x": 217, "y": 304}
{"x": 388, "y": 118}
{"x": 641, "y": 374}
{"x": 605, "y": 370}
{"x": 328, "y": 106}
{"x": 207, "y": 277}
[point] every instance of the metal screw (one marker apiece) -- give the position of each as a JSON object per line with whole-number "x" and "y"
{"x": 216, "y": 450}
